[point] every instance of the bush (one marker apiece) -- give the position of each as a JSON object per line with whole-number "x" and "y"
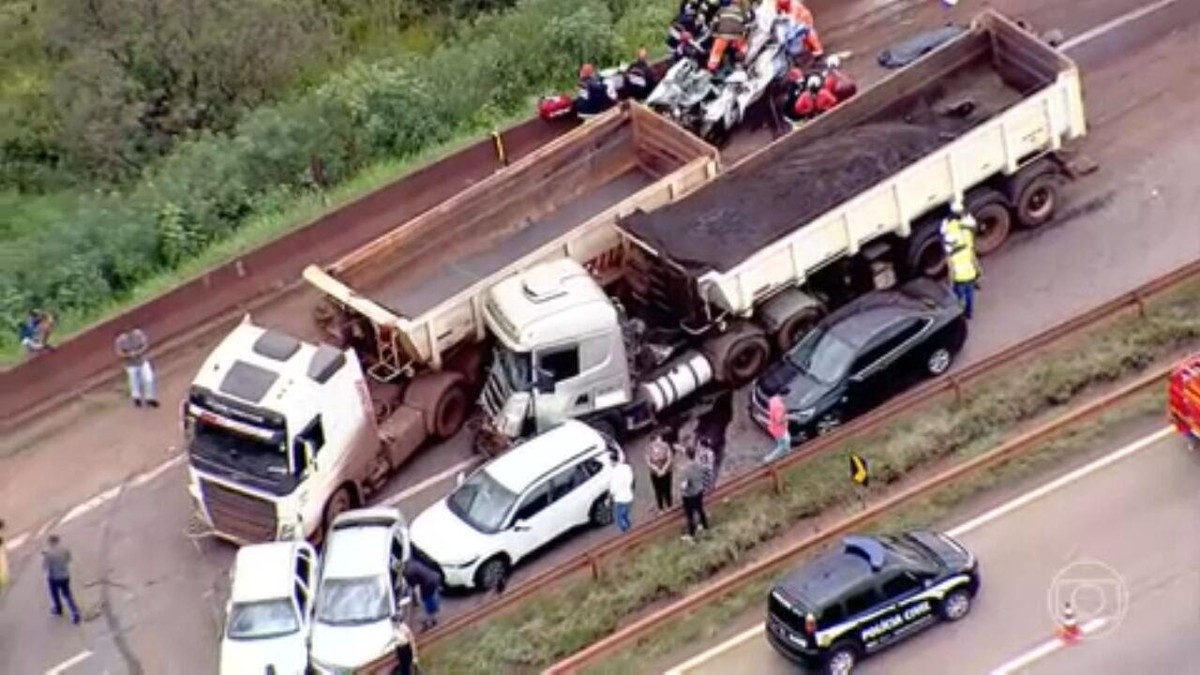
{"x": 98, "y": 248}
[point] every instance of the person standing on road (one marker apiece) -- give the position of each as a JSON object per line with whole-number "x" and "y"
{"x": 713, "y": 426}
{"x": 425, "y": 584}
{"x": 56, "y": 560}
{"x": 707, "y": 461}
{"x": 958, "y": 238}
{"x": 621, "y": 489}
{"x": 659, "y": 458}
{"x": 691, "y": 488}
{"x": 132, "y": 346}
{"x": 777, "y": 426}
{"x": 406, "y": 650}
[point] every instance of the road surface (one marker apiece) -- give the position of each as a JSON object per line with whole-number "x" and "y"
{"x": 1119, "y": 540}
{"x": 1129, "y": 223}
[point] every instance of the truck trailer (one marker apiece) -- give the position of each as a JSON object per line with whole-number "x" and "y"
{"x": 285, "y": 434}
{"x": 718, "y": 282}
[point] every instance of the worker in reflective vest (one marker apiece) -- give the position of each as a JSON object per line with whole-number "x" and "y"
{"x": 958, "y": 228}
{"x": 731, "y": 27}
{"x": 964, "y": 273}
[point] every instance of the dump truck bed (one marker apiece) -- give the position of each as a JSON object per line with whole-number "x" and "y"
{"x": 905, "y": 119}
{"x": 428, "y": 276}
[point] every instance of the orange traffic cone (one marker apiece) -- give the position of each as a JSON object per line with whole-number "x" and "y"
{"x": 1068, "y": 630}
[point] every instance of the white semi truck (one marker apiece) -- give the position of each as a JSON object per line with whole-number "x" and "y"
{"x": 284, "y": 433}
{"x": 714, "y": 284}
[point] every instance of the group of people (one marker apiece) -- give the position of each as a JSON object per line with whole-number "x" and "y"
{"x": 692, "y": 464}
{"x": 717, "y": 32}
{"x": 34, "y": 332}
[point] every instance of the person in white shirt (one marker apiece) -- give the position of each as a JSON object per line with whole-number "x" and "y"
{"x": 621, "y": 489}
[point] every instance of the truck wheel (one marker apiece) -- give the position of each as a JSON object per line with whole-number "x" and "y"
{"x": 738, "y": 355}
{"x": 1037, "y": 200}
{"x": 341, "y": 501}
{"x": 990, "y": 209}
{"x": 795, "y": 328}
{"x": 442, "y": 400}
{"x": 926, "y": 255}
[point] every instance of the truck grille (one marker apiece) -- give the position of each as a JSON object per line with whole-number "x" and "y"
{"x": 238, "y": 515}
{"x": 495, "y": 391}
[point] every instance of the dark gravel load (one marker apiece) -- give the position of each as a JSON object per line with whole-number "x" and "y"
{"x": 728, "y": 221}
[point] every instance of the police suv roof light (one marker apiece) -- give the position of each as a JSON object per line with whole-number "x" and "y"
{"x": 868, "y": 549}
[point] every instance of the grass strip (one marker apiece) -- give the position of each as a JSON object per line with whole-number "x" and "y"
{"x": 711, "y": 621}
{"x": 551, "y": 626}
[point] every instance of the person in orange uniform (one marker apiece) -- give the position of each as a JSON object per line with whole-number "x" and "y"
{"x": 729, "y": 29}
{"x": 801, "y": 16}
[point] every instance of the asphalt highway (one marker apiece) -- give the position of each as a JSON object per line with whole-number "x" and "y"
{"x": 153, "y": 595}
{"x": 1118, "y": 541}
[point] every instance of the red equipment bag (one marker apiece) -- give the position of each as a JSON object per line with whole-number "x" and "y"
{"x": 553, "y": 107}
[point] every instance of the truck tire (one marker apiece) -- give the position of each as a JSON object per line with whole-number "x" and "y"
{"x": 442, "y": 399}
{"x": 738, "y": 355}
{"x": 990, "y": 209}
{"x": 342, "y": 500}
{"x": 1036, "y": 198}
{"x": 795, "y": 328}
{"x": 925, "y": 256}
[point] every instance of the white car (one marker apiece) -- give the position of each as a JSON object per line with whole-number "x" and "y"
{"x": 516, "y": 504}
{"x": 361, "y": 590}
{"x": 269, "y": 611}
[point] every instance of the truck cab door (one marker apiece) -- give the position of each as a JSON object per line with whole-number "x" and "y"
{"x": 555, "y": 397}
{"x": 577, "y": 379}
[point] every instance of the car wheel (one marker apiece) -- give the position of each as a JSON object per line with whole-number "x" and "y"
{"x": 956, "y": 605}
{"x": 492, "y": 574}
{"x": 601, "y": 513}
{"x": 828, "y": 423}
{"x": 842, "y": 659}
{"x": 938, "y": 361}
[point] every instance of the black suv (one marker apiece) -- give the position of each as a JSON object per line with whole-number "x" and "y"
{"x": 861, "y": 354}
{"x": 868, "y": 593}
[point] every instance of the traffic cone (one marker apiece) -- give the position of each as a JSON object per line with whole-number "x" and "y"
{"x": 1068, "y": 629}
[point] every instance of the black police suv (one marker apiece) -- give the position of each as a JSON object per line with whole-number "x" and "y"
{"x": 867, "y": 594}
{"x": 862, "y": 354}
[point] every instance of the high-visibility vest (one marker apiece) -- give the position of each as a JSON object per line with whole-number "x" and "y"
{"x": 963, "y": 268}
{"x": 956, "y": 233}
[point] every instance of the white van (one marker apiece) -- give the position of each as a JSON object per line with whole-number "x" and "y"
{"x": 268, "y": 616}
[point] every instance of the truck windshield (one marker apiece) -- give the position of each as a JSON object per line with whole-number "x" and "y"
{"x": 354, "y": 600}
{"x": 263, "y": 619}
{"x": 518, "y": 368}
{"x": 482, "y": 502}
{"x": 823, "y": 356}
{"x": 256, "y": 456}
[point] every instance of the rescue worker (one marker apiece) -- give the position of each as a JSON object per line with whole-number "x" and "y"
{"x": 803, "y": 21}
{"x": 808, "y": 96}
{"x": 688, "y": 48}
{"x": 704, "y": 10}
{"x": 686, "y": 36}
{"x": 959, "y": 239}
{"x": 640, "y": 79}
{"x": 730, "y": 28}
{"x": 838, "y": 84}
{"x": 594, "y": 95}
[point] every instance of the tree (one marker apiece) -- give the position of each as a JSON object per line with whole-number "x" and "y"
{"x": 138, "y": 74}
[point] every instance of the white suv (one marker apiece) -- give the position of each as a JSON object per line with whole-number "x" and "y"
{"x": 361, "y": 591}
{"x": 269, "y": 610}
{"x": 516, "y": 504}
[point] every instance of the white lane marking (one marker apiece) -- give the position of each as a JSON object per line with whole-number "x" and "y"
{"x": 429, "y": 482}
{"x": 78, "y": 658}
{"x": 94, "y": 503}
{"x": 1008, "y": 507}
{"x": 1128, "y": 17}
{"x": 1046, "y": 649}
{"x": 972, "y": 524}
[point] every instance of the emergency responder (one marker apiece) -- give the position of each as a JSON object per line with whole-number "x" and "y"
{"x": 807, "y": 96}
{"x": 594, "y": 95}
{"x": 730, "y": 28}
{"x": 838, "y": 84}
{"x": 803, "y": 20}
{"x": 640, "y": 79}
{"x": 686, "y": 37}
{"x": 704, "y": 10}
{"x": 959, "y": 239}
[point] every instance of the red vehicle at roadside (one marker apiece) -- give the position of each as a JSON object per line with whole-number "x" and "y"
{"x": 1183, "y": 399}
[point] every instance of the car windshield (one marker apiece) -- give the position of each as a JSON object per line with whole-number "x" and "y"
{"x": 357, "y": 600}
{"x": 823, "y": 356}
{"x": 482, "y": 502}
{"x": 262, "y": 619}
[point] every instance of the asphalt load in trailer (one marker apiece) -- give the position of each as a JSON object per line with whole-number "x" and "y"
{"x": 731, "y": 220}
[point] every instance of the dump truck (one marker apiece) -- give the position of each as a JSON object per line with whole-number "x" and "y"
{"x": 716, "y": 283}
{"x": 1183, "y": 399}
{"x": 285, "y": 434}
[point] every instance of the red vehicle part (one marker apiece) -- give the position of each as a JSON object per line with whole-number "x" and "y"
{"x": 1183, "y": 398}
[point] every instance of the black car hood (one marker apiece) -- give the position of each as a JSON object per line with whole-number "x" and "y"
{"x": 799, "y": 391}
{"x": 949, "y": 555}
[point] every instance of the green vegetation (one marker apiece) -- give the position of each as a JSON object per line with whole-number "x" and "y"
{"x": 554, "y": 625}
{"x": 710, "y": 621}
{"x": 183, "y": 172}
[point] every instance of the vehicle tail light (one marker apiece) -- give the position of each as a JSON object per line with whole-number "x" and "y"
{"x": 810, "y": 624}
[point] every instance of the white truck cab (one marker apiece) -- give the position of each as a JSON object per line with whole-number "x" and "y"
{"x": 277, "y": 430}
{"x": 560, "y": 350}
{"x": 269, "y": 613}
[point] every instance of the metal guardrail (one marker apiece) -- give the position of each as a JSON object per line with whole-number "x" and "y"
{"x": 594, "y": 559}
{"x": 747, "y": 574}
